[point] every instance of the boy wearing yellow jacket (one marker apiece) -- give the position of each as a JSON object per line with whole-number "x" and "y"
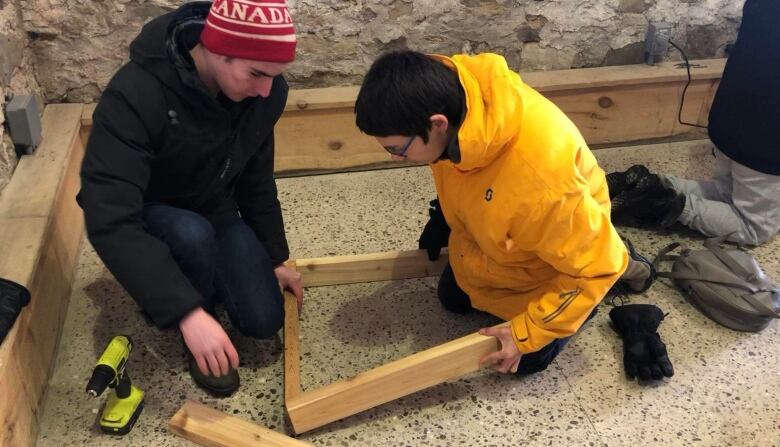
{"x": 531, "y": 240}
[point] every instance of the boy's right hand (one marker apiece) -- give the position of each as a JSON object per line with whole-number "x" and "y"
{"x": 209, "y": 344}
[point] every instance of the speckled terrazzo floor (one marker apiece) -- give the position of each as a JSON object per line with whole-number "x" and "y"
{"x": 726, "y": 390}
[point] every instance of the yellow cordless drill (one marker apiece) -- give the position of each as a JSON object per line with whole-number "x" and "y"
{"x": 125, "y": 404}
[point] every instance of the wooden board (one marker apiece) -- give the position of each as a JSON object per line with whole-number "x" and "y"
{"x": 42, "y": 231}
{"x": 638, "y": 112}
{"x": 616, "y": 104}
{"x": 312, "y": 409}
{"x": 292, "y": 352}
{"x": 386, "y": 266}
{"x": 208, "y": 427}
{"x": 307, "y": 410}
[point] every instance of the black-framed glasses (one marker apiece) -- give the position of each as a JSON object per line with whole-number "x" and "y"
{"x": 400, "y": 152}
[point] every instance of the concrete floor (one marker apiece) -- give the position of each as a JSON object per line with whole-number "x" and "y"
{"x": 725, "y": 392}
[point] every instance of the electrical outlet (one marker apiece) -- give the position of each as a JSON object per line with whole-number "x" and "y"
{"x": 657, "y": 41}
{"x": 24, "y": 122}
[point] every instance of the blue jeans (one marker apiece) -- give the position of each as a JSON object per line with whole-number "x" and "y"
{"x": 454, "y": 299}
{"x": 225, "y": 262}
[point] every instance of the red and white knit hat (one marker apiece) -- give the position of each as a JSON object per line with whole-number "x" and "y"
{"x": 260, "y": 30}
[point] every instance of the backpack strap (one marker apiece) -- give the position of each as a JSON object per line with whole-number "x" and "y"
{"x": 747, "y": 287}
{"x": 714, "y": 246}
{"x": 761, "y": 306}
{"x": 663, "y": 255}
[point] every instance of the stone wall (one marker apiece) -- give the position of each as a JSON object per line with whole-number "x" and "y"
{"x": 16, "y": 76}
{"x": 78, "y": 44}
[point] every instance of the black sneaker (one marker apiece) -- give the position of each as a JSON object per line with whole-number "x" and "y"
{"x": 617, "y": 182}
{"x": 222, "y": 386}
{"x": 645, "y": 205}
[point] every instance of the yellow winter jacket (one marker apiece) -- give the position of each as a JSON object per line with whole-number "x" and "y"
{"x": 528, "y": 206}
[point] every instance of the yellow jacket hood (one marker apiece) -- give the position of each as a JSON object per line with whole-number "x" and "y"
{"x": 493, "y": 107}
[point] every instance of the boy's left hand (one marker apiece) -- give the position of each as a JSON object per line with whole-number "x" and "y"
{"x": 507, "y": 359}
{"x": 290, "y": 280}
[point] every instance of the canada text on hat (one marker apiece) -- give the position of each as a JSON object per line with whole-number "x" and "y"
{"x": 245, "y": 29}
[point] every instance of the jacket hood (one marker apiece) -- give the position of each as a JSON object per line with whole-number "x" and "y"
{"x": 161, "y": 48}
{"x": 493, "y": 107}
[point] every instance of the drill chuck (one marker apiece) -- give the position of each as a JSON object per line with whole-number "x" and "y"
{"x": 101, "y": 378}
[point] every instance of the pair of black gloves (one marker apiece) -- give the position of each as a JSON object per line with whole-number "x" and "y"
{"x": 644, "y": 354}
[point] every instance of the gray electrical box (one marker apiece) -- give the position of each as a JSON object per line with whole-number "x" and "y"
{"x": 24, "y": 122}
{"x": 657, "y": 41}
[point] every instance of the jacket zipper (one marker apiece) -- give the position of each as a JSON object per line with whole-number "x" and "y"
{"x": 229, "y": 159}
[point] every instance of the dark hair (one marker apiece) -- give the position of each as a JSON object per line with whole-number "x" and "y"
{"x": 401, "y": 91}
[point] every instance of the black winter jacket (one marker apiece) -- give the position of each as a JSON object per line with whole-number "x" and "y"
{"x": 745, "y": 113}
{"x": 159, "y": 136}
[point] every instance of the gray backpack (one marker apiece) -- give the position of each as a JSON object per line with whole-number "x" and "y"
{"x": 725, "y": 283}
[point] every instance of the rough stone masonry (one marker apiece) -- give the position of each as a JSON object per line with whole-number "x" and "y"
{"x": 72, "y": 47}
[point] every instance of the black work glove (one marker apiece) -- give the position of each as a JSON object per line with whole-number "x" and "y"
{"x": 644, "y": 354}
{"x": 13, "y": 297}
{"x": 436, "y": 233}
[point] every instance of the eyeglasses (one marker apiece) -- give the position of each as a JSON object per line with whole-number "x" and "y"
{"x": 400, "y": 152}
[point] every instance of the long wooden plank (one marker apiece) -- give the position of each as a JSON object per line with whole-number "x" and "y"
{"x": 317, "y": 130}
{"x": 212, "y": 428}
{"x": 312, "y": 409}
{"x": 292, "y": 353}
{"x": 543, "y": 81}
{"x": 608, "y": 105}
{"x": 386, "y": 266}
{"x": 42, "y": 230}
{"x": 622, "y": 75}
{"x": 635, "y": 112}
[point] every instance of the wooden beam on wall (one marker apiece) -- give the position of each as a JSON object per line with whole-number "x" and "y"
{"x": 385, "y": 266}
{"x": 609, "y": 104}
{"x": 212, "y": 428}
{"x": 315, "y": 408}
{"x": 42, "y": 229}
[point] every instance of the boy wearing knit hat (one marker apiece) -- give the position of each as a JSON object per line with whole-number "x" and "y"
{"x": 177, "y": 187}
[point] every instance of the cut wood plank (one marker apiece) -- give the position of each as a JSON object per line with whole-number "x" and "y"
{"x": 387, "y": 266}
{"x": 292, "y": 359}
{"x": 212, "y": 428}
{"x": 312, "y": 409}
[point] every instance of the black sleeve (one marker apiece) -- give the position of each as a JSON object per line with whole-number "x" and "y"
{"x": 259, "y": 204}
{"x": 114, "y": 176}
